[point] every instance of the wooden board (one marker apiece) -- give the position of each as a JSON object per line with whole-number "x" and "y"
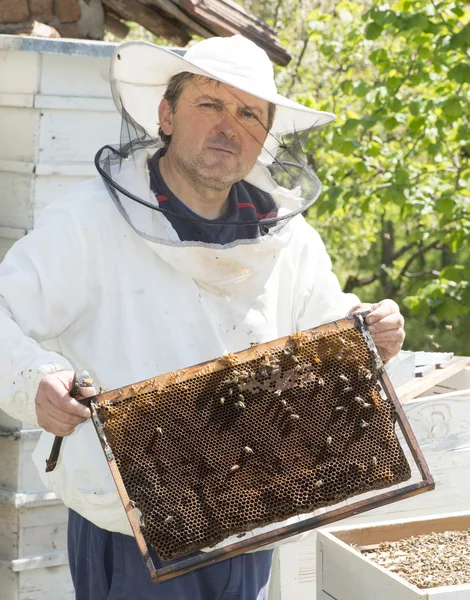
{"x": 345, "y": 574}
{"x": 420, "y": 385}
{"x": 5, "y": 245}
{"x": 442, "y": 427}
{"x": 75, "y": 136}
{"x": 64, "y": 75}
{"x": 19, "y": 72}
{"x": 19, "y": 131}
{"x": 15, "y": 207}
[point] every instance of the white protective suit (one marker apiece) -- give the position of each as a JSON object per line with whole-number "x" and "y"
{"x": 85, "y": 291}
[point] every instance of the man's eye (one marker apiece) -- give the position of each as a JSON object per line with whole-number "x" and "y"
{"x": 207, "y": 105}
{"x": 249, "y": 114}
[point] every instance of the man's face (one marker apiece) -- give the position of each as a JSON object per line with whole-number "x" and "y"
{"x": 217, "y": 132}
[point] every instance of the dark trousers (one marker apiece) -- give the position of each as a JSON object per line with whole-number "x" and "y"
{"x": 108, "y": 566}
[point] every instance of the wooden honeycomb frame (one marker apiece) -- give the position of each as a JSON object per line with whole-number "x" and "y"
{"x": 219, "y": 404}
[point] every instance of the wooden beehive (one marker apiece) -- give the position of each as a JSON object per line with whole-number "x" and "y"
{"x": 343, "y": 573}
{"x": 55, "y": 112}
{"x": 441, "y": 422}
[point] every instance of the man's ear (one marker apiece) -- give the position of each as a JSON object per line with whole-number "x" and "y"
{"x": 165, "y": 117}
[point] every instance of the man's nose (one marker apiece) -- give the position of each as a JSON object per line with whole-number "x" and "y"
{"x": 227, "y": 124}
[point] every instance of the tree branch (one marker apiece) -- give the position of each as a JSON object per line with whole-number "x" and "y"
{"x": 438, "y": 13}
{"x": 353, "y": 281}
{"x": 276, "y": 14}
{"x": 299, "y": 61}
{"x": 434, "y": 272}
{"x": 420, "y": 252}
{"x": 403, "y": 249}
{"x": 411, "y": 150}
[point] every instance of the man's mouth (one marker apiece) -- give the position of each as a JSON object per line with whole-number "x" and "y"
{"x": 222, "y": 149}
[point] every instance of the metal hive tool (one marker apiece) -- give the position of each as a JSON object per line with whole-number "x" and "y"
{"x": 252, "y": 439}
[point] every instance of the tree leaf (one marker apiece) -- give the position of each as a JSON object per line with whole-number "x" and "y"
{"x": 456, "y": 273}
{"x": 390, "y": 123}
{"x": 361, "y": 89}
{"x": 460, "y": 73}
{"x": 452, "y": 108}
{"x": 373, "y": 31}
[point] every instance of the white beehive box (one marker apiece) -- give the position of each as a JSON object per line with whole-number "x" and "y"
{"x": 441, "y": 423}
{"x": 343, "y": 573}
{"x": 55, "y": 112}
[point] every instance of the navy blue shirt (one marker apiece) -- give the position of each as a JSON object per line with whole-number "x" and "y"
{"x": 245, "y": 203}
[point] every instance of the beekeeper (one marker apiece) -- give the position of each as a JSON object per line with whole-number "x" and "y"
{"x": 191, "y": 243}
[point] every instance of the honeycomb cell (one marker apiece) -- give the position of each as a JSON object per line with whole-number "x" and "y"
{"x": 253, "y": 438}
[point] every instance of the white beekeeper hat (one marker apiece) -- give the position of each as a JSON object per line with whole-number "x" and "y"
{"x": 140, "y": 73}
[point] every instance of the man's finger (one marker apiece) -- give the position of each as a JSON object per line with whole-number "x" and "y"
{"x": 62, "y": 416}
{"x": 382, "y": 310}
{"x": 86, "y": 392}
{"x": 69, "y": 405}
{"x": 55, "y": 427}
{"x": 395, "y": 335}
{"x": 390, "y": 322}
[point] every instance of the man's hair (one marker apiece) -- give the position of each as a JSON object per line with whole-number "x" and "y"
{"x": 173, "y": 92}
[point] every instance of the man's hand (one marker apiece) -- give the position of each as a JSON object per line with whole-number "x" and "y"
{"x": 56, "y": 410}
{"x": 386, "y": 326}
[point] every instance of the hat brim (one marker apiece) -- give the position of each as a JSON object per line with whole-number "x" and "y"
{"x": 140, "y": 73}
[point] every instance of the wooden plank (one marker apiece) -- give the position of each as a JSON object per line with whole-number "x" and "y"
{"x": 5, "y": 245}
{"x": 67, "y": 136}
{"x": 29, "y": 563}
{"x": 172, "y": 10}
{"x": 346, "y": 575}
{"x": 132, "y": 10}
{"x": 74, "y": 103}
{"x": 78, "y": 169}
{"x": 451, "y": 592}
{"x": 12, "y": 233}
{"x": 76, "y": 76}
{"x": 9, "y": 451}
{"x": 9, "y": 532}
{"x": 19, "y": 127}
{"x": 46, "y": 583}
{"x": 17, "y": 166}
{"x": 9, "y": 584}
{"x": 392, "y": 531}
{"x": 28, "y": 476}
{"x": 41, "y": 539}
{"x": 414, "y": 388}
{"x": 19, "y": 72}
{"x": 18, "y": 100}
{"x": 7, "y": 422}
{"x": 13, "y": 497}
{"x": 45, "y": 515}
{"x": 227, "y": 19}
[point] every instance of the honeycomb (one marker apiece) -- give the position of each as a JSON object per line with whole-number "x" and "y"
{"x": 253, "y": 438}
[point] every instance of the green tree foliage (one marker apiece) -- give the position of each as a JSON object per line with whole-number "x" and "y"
{"x": 394, "y": 211}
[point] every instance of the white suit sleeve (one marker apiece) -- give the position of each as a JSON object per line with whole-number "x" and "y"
{"x": 42, "y": 291}
{"x": 323, "y": 300}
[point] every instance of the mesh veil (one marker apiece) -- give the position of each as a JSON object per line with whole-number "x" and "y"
{"x": 281, "y": 171}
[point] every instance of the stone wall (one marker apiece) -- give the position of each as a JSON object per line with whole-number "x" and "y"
{"x": 53, "y": 18}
